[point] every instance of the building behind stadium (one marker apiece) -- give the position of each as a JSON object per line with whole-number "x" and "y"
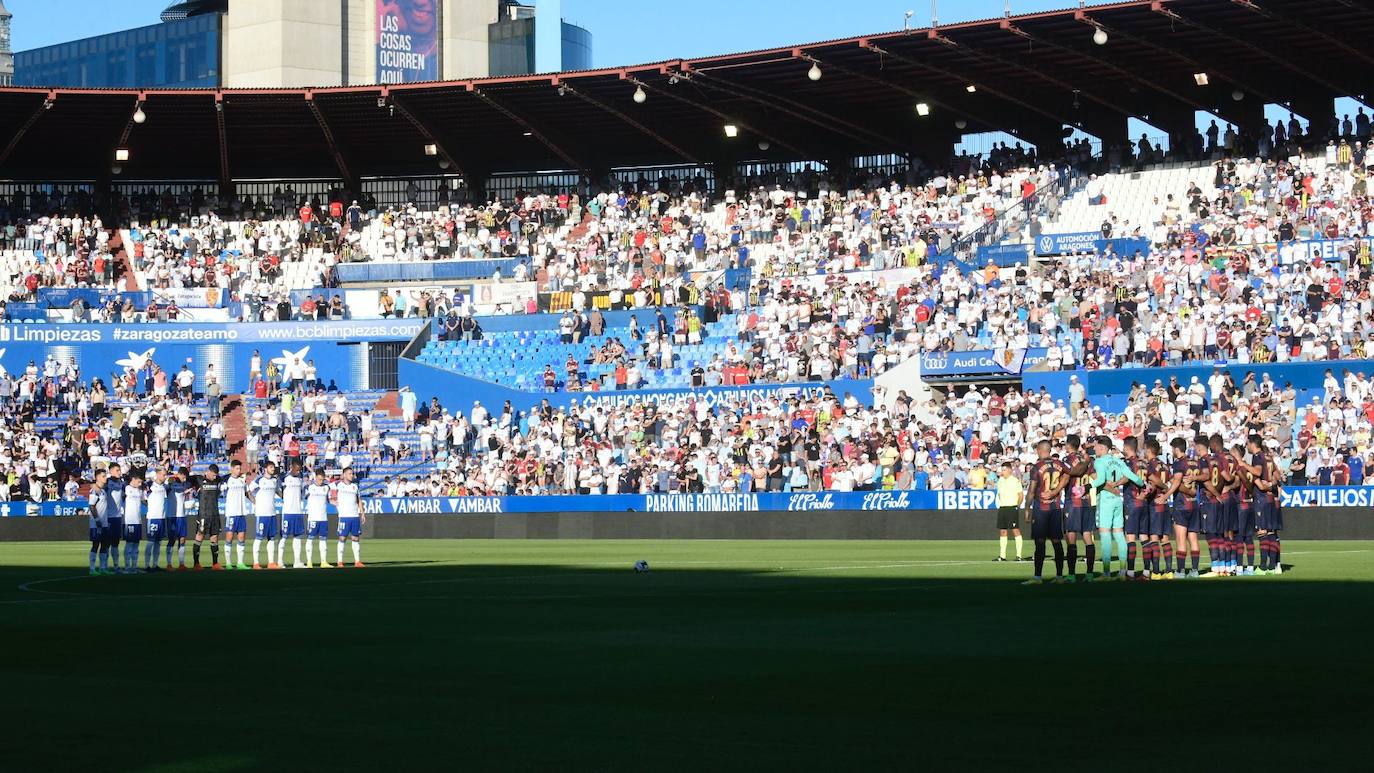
{"x": 297, "y": 43}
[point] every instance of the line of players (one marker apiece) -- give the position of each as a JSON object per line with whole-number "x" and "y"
{"x": 1230, "y": 498}
{"x": 142, "y": 514}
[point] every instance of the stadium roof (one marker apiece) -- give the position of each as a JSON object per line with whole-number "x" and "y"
{"x": 1029, "y": 75}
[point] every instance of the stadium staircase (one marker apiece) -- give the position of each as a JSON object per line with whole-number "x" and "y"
{"x": 235, "y": 427}
{"x": 121, "y": 254}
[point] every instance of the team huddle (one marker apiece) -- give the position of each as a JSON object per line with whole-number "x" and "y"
{"x": 144, "y": 512}
{"x": 1140, "y": 508}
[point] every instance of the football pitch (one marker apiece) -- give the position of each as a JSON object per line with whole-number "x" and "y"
{"x": 446, "y": 654}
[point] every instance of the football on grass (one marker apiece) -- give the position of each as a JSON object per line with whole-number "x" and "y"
{"x": 641, "y": 566}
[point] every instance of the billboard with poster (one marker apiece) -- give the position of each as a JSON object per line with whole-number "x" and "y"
{"x": 407, "y": 41}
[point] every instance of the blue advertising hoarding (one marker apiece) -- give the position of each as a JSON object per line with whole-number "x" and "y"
{"x": 1087, "y": 241}
{"x": 817, "y": 501}
{"x": 407, "y": 41}
{"x": 101, "y": 349}
{"x": 986, "y": 362}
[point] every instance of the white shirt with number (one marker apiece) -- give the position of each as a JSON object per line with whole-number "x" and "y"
{"x": 291, "y": 495}
{"x": 317, "y": 502}
{"x": 133, "y": 506}
{"x": 235, "y": 497}
{"x": 348, "y": 499}
{"x": 157, "y": 501}
{"x": 265, "y": 497}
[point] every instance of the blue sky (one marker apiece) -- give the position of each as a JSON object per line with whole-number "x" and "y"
{"x": 625, "y": 32}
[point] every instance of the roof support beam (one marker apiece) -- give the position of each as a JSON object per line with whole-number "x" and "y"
{"x": 329, "y": 139}
{"x": 803, "y": 112}
{"x": 1100, "y": 62}
{"x": 534, "y": 132}
{"x": 28, "y": 124}
{"x": 1003, "y": 62}
{"x": 671, "y": 93}
{"x": 430, "y": 136}
{"x": 1161, "y": 47}
{"x": 1297, "y": 24}
{"x": 982, "y": 88}
{"x": 1282, "y": 61}
{"x": 659, "y": 138}
{"x": 225, "y": 180}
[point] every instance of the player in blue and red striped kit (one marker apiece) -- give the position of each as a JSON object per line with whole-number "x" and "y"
{"x": 1187, "y": 519}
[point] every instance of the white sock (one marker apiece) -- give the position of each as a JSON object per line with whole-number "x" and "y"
{"x": 309, "y": 551}
{"x": 357, "y": 551}
{"x": 257, "y": 550}
{"x": 296, "y": 548}
{"x": 271, "y": 552}
{"x": 324, "y": 550}
{"x": 339, "y": 552}
{"x": 1018, "y": 546}
{"x": 181, "y": 554}
{"x": 281, "y": 549}
{"x": 241, "y": 546}
{"x": 1002, "y": 546}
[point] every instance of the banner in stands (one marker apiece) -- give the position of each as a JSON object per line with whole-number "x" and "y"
{"x": 1327, "y": 496}
{"x": 554, "y": 303}
{"x": 491, "y": 298}
{"x": 988, "y": 362}
{"x": 338, "y": 349}
{"x": 1325, "y": 249}
{"x": 1087, "y": 241}
{"x": 862, "y": 390}
{"x": 407, "y": 41}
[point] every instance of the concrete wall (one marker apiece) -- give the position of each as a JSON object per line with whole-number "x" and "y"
{"x": 1311, "y": 523}
{"x": 284, "y": 43}
{"x": 465, "y": 37}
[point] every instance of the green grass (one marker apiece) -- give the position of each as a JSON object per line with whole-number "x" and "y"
{"x": 764, "y": 655}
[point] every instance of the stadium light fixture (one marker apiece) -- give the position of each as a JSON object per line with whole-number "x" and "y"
{"x": 961, "y": 124}
{"x": 972, "y": 89}
{"x": 431, "y": 149}
{"x": 116, "y": 169}
{"x": 1238, "y": 95}
{"x": 1100, "y": 37}
{"x": 731, "y": 130}
{"x": 1201, "y": 78}
{"x": 122, "y": 154}
{"x": 764, "y": 145}
{"x": 443, "y": 163}
{"x": 641, "y": 96}
{"x": 139, "y": 115}
{"x": 529, "y": 134}
{"x": 922, "y": 109}
{"x": 815, "y": 72}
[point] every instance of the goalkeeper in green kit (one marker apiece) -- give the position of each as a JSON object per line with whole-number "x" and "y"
{"x": 1111, "y": 474}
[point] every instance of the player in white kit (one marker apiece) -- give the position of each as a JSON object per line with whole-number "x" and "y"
{"x": 351, "y": 518}
{"x": 292, "y": 515}
{"x": 235, "y": 515}
{"x": 157, "y": 520}
{"x": 133, "y": 521}
{"x": 317, "y": 512}
{"x": 265, "y": 511}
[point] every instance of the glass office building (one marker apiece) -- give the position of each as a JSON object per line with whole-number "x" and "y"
{"x": 179, "y": 53}
{"x": 512, "y": 48}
